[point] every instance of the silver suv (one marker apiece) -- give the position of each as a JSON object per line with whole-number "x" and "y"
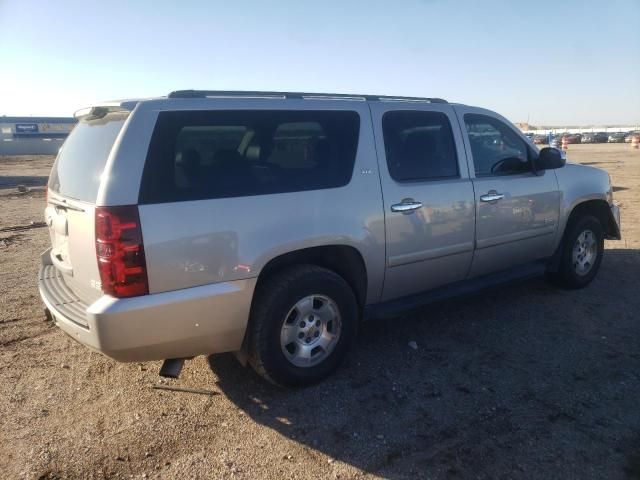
{"x": 272, "y": 224}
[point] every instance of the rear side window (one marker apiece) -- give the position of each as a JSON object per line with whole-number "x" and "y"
{"x": 419, "y": 146}
{"x": 77, "y": 171}
{"x": 196, "y": 155}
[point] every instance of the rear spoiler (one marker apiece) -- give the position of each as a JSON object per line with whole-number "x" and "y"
{"x": 100, "y": 110}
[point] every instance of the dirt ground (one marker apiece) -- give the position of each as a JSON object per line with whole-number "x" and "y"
{"x": 526, "y": 381}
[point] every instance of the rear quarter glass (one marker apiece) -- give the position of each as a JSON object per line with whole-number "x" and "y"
{"x": 77, "y": 171}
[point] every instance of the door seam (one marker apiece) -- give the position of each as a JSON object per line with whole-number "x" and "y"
{"x": 463, "y": 132}
{"x": 384, "y": 204}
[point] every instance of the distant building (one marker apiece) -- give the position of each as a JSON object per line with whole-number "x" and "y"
{"x": 33, "y": 135}
{"x": 525, "y": 127}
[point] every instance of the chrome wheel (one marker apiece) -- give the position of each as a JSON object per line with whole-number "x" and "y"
{"x": 585, "y": 252}
{"x": 310, "y": 331}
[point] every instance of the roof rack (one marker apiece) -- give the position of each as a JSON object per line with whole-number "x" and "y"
{"x": 298, "y": 95}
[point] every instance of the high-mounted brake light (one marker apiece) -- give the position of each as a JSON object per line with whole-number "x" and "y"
{"x": 120, "y": 251}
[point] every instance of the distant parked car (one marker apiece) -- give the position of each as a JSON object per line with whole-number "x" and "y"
{"x": 530, "y": 138}
{"x": 617, "y": 137}
{"x": 595, "y": 137}
{"x": 574, "y": 138}
{"x": 556, "y": 141}
{"x": 601, "y": 137}
{"x": 540, "y": 139}
{"x": 629, "y": 137}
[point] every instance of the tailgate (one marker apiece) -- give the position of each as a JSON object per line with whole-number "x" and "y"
{"x": 73, "y": 251}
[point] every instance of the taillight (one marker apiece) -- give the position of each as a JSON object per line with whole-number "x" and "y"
{"x": 120, "y": 251}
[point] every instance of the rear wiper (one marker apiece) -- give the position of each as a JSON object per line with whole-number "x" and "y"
{"x": 63, "y": 203}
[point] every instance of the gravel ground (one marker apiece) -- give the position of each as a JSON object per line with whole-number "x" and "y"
{"x": 526, "y": 381}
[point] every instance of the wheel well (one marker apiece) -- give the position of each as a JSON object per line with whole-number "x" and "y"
{"x": 344, "y": 260}
{"x": 599, "y": 209}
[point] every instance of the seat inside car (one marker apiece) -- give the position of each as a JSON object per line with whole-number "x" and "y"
{"x": 417, "y": 154}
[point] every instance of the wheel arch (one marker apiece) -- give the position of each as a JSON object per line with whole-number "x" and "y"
{"x": 596, "y": 207}
{"x": 599, "y": 209}
{"x": 345, "y": 260}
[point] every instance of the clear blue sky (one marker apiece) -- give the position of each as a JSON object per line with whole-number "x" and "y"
{"x": 565, "y": 62}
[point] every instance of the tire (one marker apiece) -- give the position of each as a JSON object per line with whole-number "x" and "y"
{"x": 578, "y": 272}
{"x": 303, "y": 320}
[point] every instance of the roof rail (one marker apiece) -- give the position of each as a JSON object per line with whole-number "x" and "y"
{"x": 298, "y": 95}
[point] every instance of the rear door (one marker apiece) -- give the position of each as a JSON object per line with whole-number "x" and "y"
{"x": 428, "y": 196}
{"x": 73, "y": 189}
{"x": 517, "y": 209}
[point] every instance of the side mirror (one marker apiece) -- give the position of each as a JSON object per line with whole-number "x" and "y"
{"x": 550, "y": 158}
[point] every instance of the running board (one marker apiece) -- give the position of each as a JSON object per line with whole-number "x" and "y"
{"x": 392, "y": 308}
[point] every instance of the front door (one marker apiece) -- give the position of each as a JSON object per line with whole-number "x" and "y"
{"x": 517, "y": 208}
{"x": 428, "y": 196}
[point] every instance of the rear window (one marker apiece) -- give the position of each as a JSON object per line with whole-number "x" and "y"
{"x": 77, "y": 171}
{"x": 196, "y": 155}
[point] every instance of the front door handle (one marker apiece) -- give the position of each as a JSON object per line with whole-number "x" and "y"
{"x": 406, "y": 206}
{"x": 492, "y": 196}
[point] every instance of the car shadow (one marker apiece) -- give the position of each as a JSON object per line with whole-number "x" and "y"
{"x": 517, "y": 381}
{"x": 27, "y": 180}
{"x": 603, "y": 162}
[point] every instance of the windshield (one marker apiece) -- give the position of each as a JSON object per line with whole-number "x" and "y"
{"x": 77, "y": 170}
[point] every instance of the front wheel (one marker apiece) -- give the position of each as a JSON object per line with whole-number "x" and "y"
{"x": 582, "y": 252}
{"x": 302, "y": 322}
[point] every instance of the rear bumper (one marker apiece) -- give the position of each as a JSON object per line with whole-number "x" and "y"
{"x": 182, "y": 323}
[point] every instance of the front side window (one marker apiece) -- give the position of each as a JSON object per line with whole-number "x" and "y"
{"x": 496, "y": 148}
{"x": 419, "y": 146}
{"x": 196, "y": 155}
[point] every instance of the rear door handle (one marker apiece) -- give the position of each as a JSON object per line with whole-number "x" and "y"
{"x": 406, "y": 206}
{"x": 492, "y": 196}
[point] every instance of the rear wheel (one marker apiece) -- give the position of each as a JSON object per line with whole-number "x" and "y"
{"x": 582, "y": 252}
{"x": 302, "y": 323}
